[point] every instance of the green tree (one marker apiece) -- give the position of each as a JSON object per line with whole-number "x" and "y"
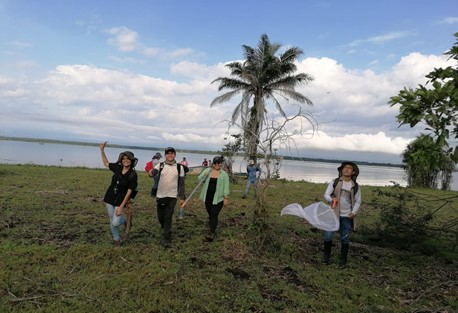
{"x": 421, "y": 161}
{"x": 262, "y": 76}
{"x": 229, "y": 151}
{"x": 435, "y": 104}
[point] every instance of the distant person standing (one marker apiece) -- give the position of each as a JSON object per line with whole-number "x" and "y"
{"x": 205, "y": 163}
{"x": 122, "y": 188}
{"x": 170, "y": 187}
{"x": 184, "y": 162}
{"x": 152, "y": 164}
{"x": 344, "y": 194}
{"x": 253, "y": 174}
{"x": 150, "y": 167}
{"x": 215, "y": 193}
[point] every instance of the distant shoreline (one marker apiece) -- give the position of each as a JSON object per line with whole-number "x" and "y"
{"x": 81, "y": 143}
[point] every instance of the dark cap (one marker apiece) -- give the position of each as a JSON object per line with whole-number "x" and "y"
{"x": 170, "y": 149}
{"x": 217, "y": 159}
{"x": 355, "y": 169}
{"x": 157, "y": 156}
{"x": 130, "y": 155}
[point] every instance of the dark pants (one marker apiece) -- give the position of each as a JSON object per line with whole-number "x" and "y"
{"x": 213, "y": 212}
{"x": 165, "y": 208}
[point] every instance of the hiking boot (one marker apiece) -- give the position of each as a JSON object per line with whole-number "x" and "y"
{"x": 117, "y": 243}
{"x": 343, "y": 255}
{"x": 181, "y": 214}
{"x": 166, "y": 243}
{"x": 327, "y": 252}
{"x": 243, "y": 197}
{"x": 210, "y": 236}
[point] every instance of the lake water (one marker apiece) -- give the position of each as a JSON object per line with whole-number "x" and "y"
{"x": 19, "y": 152}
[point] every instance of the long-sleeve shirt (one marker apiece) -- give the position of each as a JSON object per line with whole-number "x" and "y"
{"x": 222, "y": 185}
{"x": 345, "y": 205}
{"x": 251, "y": 172}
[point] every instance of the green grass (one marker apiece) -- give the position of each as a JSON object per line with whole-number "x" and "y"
{"x": 56, "y": 254}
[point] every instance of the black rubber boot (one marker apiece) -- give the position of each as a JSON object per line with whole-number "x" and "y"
{"x": 344, "y": 254}
{"x": 327, "y": 252}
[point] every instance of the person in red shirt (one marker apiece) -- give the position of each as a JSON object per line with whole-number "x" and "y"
{"x": 205, "y": 163}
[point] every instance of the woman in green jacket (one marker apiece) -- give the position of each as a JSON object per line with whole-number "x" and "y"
{"x": 215, "y": 193}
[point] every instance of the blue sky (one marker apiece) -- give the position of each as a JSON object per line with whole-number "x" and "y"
{"x": 140, "y": 72}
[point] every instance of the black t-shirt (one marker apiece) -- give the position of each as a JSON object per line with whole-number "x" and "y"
{"x": 211, "y": 189}
{"x": 119, "y": 184}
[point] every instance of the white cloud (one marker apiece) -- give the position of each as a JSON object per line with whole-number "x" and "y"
{"x": 94, "y": 104}
{"x": 450, "y": 20}
{"x": 151, "y": 52}
{"x": 378, "y": 142}
{"x": 128, "y": 41}
{"x": 181, "y": 52}
{"x": 199, "y": 71}
{"x": 388, "y": 37}
{"x": 123, "y": 38}
{"x": 380, "y": 39}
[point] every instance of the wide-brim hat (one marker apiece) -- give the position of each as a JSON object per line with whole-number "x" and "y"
{"x": 355, "y": 169}
{"x": 131, "y": 157}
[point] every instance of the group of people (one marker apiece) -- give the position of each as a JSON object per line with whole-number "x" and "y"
{"x": 169, "y": 187}
{"x": 343, "y": 193}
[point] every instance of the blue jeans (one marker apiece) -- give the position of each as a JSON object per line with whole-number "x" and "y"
{"x": 115, "y": 220}
{"x": 345, "y": 229}
{"x": 250, "y": 183}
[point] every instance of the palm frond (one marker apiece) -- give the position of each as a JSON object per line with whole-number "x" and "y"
{"x": 262, "y": 75}
{"x": 224, "y": 97}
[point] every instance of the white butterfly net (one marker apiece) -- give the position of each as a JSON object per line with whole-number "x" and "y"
{"x": 318, "y": 214}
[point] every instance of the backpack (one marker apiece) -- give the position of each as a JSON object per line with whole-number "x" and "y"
{"x": 158, "y": 176}
{"x": 149, "y": 166}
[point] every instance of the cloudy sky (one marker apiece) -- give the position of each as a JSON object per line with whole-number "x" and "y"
{"x": 139, "y": 72}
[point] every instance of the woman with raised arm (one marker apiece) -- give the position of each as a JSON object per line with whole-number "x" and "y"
{"x": 122, "y": 188}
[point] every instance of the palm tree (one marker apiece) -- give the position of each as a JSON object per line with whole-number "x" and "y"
{"x": 262, "y": 76}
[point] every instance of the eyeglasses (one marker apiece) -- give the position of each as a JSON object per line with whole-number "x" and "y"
{"x": 217, "y": 162}
{"x": 125, "y": 158}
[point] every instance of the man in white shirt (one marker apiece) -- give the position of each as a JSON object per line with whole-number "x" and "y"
{"x": 170, "y": 187}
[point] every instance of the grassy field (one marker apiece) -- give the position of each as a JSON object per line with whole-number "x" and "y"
{"x": 56, "y": 254}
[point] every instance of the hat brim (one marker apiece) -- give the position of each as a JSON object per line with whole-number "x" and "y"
{"x": 131, "y": 157}
{"x": 355, "y": 167}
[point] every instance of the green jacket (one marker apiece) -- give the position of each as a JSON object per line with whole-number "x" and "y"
{"x": 222, "y": 185}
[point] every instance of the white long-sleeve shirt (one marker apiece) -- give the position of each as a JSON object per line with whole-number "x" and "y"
{"x": 345, "y": 198}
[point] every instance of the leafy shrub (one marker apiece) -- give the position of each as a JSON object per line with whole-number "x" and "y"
{"x": 404, "y": 217}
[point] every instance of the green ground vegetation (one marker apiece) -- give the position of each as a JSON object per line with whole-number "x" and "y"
{"x": 56, "y": 253}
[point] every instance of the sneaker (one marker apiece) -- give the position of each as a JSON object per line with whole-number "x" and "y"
{"x": 117, "y": 243}
{"x": 243, "y": 197}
